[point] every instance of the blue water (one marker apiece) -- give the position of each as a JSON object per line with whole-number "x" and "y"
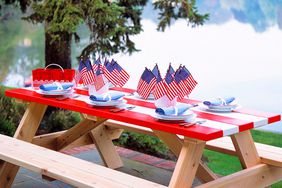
{"x": 237, "y": 52}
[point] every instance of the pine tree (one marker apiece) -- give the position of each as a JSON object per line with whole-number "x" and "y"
{"x": 111, "y": 23}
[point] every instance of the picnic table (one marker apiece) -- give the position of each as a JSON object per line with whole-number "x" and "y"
{"x": 261, "y": 167}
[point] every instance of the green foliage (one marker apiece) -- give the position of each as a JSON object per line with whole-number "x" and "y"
{"x": 143, "y": 143}
{"x": 111, "y": 22}
{"x": 175, "y": 9}
{"x": 11, "y": 113}
{"x": 9, "y": 110}
{"x": 6, "y": 127}
{"x": 269, "y": 138}
{"x": 58, "y": 120}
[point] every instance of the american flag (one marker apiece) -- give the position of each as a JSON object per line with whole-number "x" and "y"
{"x": 156, "y": 71}
{"x": 123, "y": 75}
{"x": 77, "y": 77}
{"x": 110, "y": 74}
{"x": 146, "y": 83}
{"x": 99, "y": 83}
{"x": 87, "y": 73}
{"x": 160, "y": 89}
{"x": 191, "y": 82}
{"x": 171, "y": 70}
{"x": 96, "y": 64}
{"x": 173, "y": 88}
{"x": 179, "y": 79}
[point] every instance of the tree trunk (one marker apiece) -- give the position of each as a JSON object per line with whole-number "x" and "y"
{"x": 58, "y": 52}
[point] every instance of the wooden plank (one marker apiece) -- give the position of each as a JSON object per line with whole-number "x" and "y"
{"x": 77, "y": 131}
{"x": 25, "y": 131}
{"x": 258, "y": 176}
{"x": 246, "y": 149}
{"x": 269, "y": 154}
{"x": 187, "y": 164}
{"x": 66, "y": 168}
{"x": 47, "y": 140}
{"x": 106, "y": 147}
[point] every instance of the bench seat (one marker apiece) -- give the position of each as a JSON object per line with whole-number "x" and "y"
{"x": 269, "y": 154}
{"x": 66, "y": 168}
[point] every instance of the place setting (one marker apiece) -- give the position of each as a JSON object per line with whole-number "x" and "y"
{"x": 220, "y": 105}
{"x": 98, "y": 77}
{"x": 166, "y": 93}
{"x": 56, "y": 90}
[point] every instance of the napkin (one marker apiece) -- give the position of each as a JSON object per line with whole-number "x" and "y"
{"x": 219, "y": 101}
{"x": 179, "y": 109}
{"x": 106, "y": 97}
{"x": 56, "y": 86}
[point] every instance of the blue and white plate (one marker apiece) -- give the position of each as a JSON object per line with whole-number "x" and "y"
{"x": 107, "y": 103}
{"x": 225, "y": 108}
{"x": 184, "y": 117}
{"x": 54, "y": 92}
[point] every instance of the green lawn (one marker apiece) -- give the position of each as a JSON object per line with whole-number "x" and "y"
{"x": 225, "y": 164}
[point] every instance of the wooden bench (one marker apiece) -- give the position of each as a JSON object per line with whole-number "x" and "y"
{"x": 269, "y": 154}
{"x": 65, "y": 168}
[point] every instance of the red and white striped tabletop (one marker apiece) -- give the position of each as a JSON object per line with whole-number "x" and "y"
{"x": 216, "y": 125}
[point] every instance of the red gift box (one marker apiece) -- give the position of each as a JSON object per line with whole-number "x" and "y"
{"x": 43, "y": 75}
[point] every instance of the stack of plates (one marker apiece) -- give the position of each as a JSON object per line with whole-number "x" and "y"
{"x": 54, "y": 92}
{"x": 107, "y": 103}
{"x": 187, "y": 116}
{"x": 222, "y": 108}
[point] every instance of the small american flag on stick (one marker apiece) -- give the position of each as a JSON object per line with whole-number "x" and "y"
{"x": 87, "y": 73}
{"x": 160, "y": 89}
{"x": 99, "y": 83}
{"x": 146, "y": 83}
{"x": 173, "y": 88}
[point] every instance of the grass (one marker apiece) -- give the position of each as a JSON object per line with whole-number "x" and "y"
{"x": 225, "y": 164}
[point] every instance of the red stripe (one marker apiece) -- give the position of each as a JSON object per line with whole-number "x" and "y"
{"x": 242, "y": 124}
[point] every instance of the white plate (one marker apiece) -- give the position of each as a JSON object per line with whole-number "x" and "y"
{"x": 108, "y": 103}
{"x": 229, "y": 106}
{"x": 185, "y": 117}
{"x": 221, "y": 109}
{"x": 53, "y": 93}
{"x": 151, "y": 96}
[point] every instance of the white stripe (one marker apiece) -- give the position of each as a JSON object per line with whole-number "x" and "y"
{"x": 258, "y": 121}
{"x": 227, "y": 129}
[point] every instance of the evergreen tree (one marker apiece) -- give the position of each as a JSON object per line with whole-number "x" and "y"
{"x": 111, "y": 23}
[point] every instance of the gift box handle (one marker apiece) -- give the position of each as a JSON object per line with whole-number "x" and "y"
{"x": 55, "y": 65}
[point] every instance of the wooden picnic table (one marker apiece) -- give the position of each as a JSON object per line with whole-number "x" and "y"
{"x": 187, "y": 143}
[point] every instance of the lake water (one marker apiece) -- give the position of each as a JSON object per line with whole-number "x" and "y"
{"x": 237, "y": 52}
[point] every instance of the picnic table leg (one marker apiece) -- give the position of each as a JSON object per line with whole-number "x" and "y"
{"x": 25, "y": 131}
{"x": 187, "y": 163}
{"x": 77, "y": 131}
{"x": 246, "y": 149}
{"x": 175, "y": 144}
{"x": 105, "y": 147}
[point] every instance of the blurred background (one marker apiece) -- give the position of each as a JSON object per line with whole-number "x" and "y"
{"x": 236, "y": 52}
